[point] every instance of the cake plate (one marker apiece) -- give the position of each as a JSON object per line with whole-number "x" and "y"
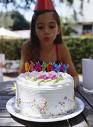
{"x": 77, "y": 111}
{"x": 88, "y": 91}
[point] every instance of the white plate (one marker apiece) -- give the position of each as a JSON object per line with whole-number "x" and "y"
{"x": 77, "y": 111}
{"x": 88, "y": 91}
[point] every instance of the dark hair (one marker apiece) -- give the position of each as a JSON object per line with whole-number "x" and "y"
{"x": 34, "y": 41}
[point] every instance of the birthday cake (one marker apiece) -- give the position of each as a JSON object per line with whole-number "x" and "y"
{"x": 44, "y": 94}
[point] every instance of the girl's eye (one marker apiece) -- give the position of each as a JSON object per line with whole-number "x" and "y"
{"x": 51, "y": 27}
{"x": 43, "y": 27}
{"x": 40, "y": 27}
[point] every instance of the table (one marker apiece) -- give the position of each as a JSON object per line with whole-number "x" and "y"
{"x": 85, "y": 119}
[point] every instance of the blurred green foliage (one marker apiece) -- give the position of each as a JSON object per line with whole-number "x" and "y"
{"x": 80, "y": 47}
{"x": 11, "y": 48}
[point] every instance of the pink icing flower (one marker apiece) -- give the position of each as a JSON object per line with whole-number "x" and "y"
{"x": 53, "y": 77}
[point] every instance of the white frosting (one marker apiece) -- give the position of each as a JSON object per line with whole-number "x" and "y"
{"x": 44, "y": 94}
{"x": 31, "y": 79}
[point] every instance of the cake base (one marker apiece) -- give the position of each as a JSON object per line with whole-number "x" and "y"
{"x": 10, "y": 106}
{"x": 44, "y": 94}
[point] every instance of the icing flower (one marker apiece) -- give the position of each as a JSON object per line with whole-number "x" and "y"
{"x": 53, "y": 77}
{"x": 45, "y": 77}
{"x": 58, "y": 79}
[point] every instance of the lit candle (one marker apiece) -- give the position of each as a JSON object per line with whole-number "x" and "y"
{"x": 27, "y": 67}
{"x": 44, "y": 66}
{"x": 38, "y": 67}
{"x": 31, "y": 66}
{"x": 49, "y": 67}
{"x": 66, "y": 66}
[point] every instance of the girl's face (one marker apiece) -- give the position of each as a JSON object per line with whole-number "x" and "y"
{"x": 46, "y": 28}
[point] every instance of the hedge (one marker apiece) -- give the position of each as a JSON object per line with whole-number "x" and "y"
{"x": 11, "y": 48}
{"x": 80, "y": 47}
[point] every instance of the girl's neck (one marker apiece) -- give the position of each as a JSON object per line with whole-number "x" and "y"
{"x": 47, "y": 54}
{"x": 47, "y": 48}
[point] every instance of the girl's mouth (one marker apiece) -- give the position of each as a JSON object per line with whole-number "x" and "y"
{"x": 46, "y": 38}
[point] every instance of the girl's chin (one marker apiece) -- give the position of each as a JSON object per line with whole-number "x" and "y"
{"x": 48, "y": 44}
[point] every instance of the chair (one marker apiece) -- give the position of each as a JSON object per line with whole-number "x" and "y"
{"x": 2, "y": 63}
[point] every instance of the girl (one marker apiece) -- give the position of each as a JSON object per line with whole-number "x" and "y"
{"x": 46, "y": 43}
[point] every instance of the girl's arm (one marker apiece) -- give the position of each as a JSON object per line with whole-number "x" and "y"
{"x": 22, "y": 61}
{"x": 24, "y": 57}
{"x": 66, "y": 58}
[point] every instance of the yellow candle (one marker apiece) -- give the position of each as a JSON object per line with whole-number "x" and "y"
{"x": 27, "y": 67}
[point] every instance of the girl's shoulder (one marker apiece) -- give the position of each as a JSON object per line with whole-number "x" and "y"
{"x": 62, "y": 48}
{"x": 26, "y": 45}
{"x": 63, "y": 52}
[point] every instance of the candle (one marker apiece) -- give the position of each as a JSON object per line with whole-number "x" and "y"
{"x": 27, "y": 67}
{"x": 49, "y": 67}
{"x": 38, "y": 67}
{"x": 44, "y": 66}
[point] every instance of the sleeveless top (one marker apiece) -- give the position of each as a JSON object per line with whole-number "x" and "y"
{"x": 57, "y": 56}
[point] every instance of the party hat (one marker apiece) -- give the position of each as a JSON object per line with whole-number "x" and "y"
{"x": 44, "y": 5}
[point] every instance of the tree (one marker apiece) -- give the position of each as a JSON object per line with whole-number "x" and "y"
{"x": 67, "y": 27}
{"x": 5, "y": 19}
{"x": 20, "y": 22}
{"x": 26, "y": 4}
{"x": 13, "y": 20}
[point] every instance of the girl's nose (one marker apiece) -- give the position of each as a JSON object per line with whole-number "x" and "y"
{"x": 46, "y": 30}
